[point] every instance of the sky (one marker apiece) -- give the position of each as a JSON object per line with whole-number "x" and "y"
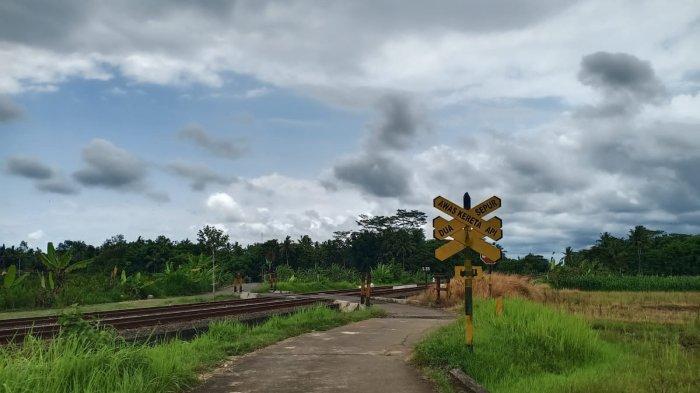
{"x": 270, "y": 119}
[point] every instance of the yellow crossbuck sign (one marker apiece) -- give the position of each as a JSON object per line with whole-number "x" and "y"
{"x": 467, "y": 228}
{"x": 471, "y": 217}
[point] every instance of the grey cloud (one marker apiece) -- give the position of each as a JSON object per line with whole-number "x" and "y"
{"x": 625, "y": 81}
{"x": 398, "y": 124}
{"x": 28, "y": 167}
{"x": 620, "y": 71}
{"x": 377, "y": 170}
{"x": 375, "y": 175}
{"x": 57, "y": 185}
{"x": 199, "y": 175}
{"x": 221, "y": 147}
{"x": 9, "y": 110}
{"x": 46, "y": 179}
{"x": 110, "y": 166}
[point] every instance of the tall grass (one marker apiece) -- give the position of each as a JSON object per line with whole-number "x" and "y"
{"x": 104, "y": 363}
{"x": 533, "y": 348}
{"x": 625, "y": 283}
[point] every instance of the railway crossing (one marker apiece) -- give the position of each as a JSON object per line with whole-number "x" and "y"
{"x": 467, "y": 228}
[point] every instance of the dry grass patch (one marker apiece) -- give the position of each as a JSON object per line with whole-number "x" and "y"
{"x": 659, "y": 307}
{"x": 510, "y": 286}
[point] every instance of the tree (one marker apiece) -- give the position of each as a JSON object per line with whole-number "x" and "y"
{"x": 640, "y": 237}
{"x": 59, "y": 265}
{"x": 212, "y": 239}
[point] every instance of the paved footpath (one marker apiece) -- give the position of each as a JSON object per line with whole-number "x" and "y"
{"x": 367, "y": 356}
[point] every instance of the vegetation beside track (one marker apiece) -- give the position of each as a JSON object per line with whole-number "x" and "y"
{"x": 533, "y": 347}
{"x": 156, "y": 302}
{"x": 90, "y": 361}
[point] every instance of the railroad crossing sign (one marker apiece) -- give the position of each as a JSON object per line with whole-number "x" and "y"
{"x": 467, "y": 228}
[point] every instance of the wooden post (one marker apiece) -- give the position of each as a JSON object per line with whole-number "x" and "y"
{"x": 468, "y": 305}
{"x": 438, "y": 288}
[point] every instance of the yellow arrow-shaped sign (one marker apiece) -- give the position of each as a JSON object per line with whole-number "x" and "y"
{"x": 471, "y": 217}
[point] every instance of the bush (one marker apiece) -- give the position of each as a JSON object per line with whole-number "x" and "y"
{"x": 179, "y": 282}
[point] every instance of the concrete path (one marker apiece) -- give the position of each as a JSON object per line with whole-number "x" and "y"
{"x": 367, "y": 356}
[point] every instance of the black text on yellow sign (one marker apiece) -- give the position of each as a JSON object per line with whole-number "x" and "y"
{"x": 471, "y": 217}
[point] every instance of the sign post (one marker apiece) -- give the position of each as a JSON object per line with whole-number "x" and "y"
{"x": 467, "y": 228}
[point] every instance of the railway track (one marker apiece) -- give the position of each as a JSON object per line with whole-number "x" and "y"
{"x": 17, "y": 329}
{"x": 376, "y": 291}
{"x": 46, "y": 327}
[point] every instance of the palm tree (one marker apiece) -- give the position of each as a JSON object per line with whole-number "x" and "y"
{"x": 640, "y": 237}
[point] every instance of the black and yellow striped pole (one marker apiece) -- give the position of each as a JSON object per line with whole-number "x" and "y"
{"x": 468, "y": 294}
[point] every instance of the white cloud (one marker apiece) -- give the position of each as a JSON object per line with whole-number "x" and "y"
{"x": 225, "y": 206}
{"x": 456, "y": 49}
{"x": 36, "y": 235}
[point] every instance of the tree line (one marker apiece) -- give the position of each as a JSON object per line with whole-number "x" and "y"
{"x": 397, "y": 239}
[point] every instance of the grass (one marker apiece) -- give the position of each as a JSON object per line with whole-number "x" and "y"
{"x": 655, "y": 307}
{"x": 625, "y": 283}
{"x": 123, "y": 305}
{"x": 104, "y": 363}
{"x": 533, "y": 347}
{"x": 311, "y": 286}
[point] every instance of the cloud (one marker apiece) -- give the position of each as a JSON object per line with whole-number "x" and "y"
{"x": 398, "y": 123}
{"x": 473, "y": 49}
{"x": 111, "y": 167}
{"x": 221, "y": 147}
{"x": 9, "y": 110}
{"x": 45, "y": 178}
{"x": 374, "y": 174}
{"x": 36, "y": 235}
{"x": 28, "y": 167}
{"x": 224, "y": 205}
{"x": 378, "y": 169}
{"x": 57, "y": 184}
{"x": 625, "y": 81}
{"x": 199, "y": 175}
{"x": 615, "y": 72}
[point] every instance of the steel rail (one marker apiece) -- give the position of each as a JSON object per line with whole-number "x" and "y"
{"x": 126, "y": 311}
{"x": 124, "y": 322}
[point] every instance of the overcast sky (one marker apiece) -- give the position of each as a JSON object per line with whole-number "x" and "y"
{"x": 276, "y": 118}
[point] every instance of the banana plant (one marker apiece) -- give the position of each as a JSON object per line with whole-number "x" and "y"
{"x": 11, "y": 280}
{"x": 59, "y": 266}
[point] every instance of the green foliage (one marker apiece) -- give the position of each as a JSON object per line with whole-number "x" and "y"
{"x": 11, "y": 279}
{"x": 563, "y": 279}
{"x": 86, "y": 363}
{"x": 59, "y": 265}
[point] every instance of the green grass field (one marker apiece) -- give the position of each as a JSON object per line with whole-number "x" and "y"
{"x": 302, "y": 287}
{"x": 100, "y": 362}
{"x": 536, "y": 348}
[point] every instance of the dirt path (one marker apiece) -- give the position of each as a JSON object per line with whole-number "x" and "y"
{"x": 367, "y": 356}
